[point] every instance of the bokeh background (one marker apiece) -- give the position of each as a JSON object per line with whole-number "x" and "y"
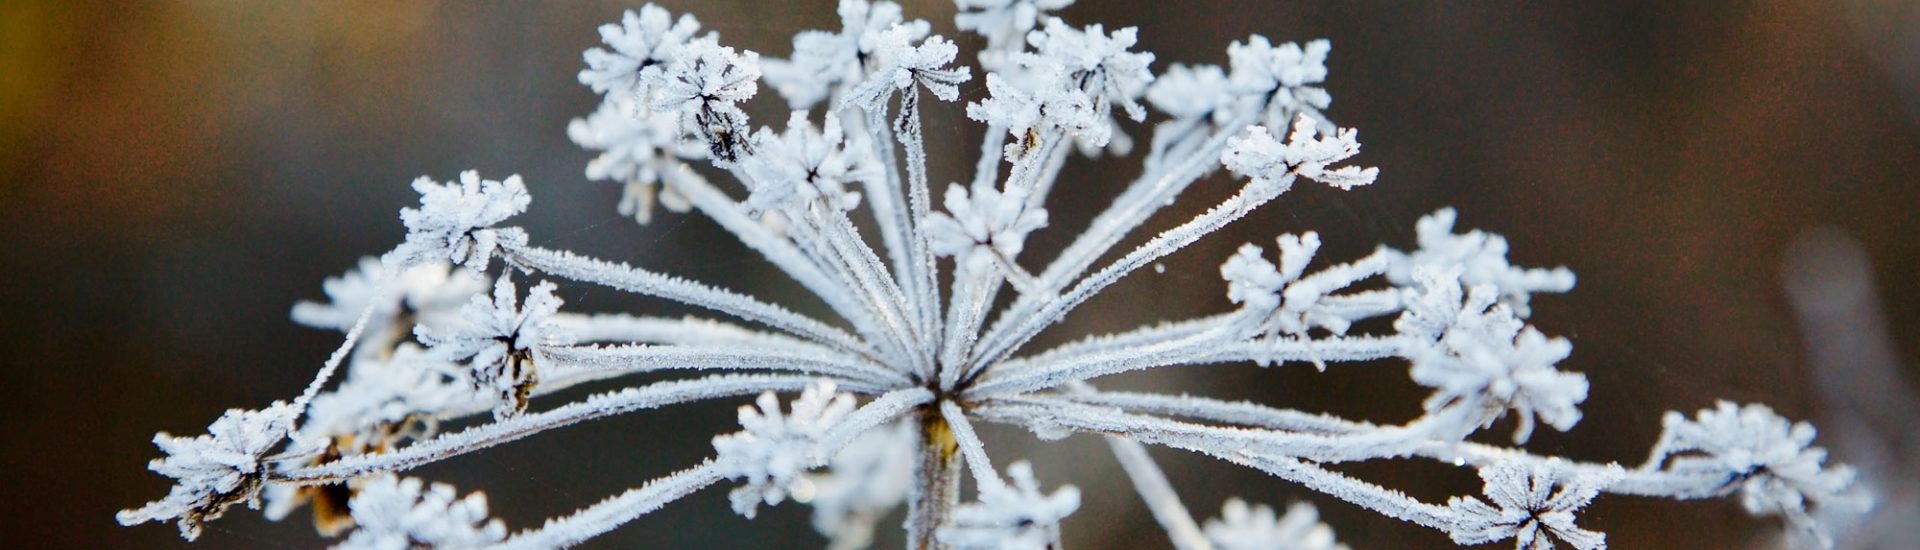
{"x": 173, "y": 176}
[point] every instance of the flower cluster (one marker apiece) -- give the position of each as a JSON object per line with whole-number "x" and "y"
{"x": 930, "y": 312}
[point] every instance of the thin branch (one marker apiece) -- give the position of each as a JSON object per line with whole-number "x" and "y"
{"x": 608, "y": 514}
{"x": 648, "y": 358}
{"x": 689, "y": 330}
{"x": 599, "y": 406}
{"x": 1158, "y": 494}
{"x": 623, "y": 277}
{"x": 971, "y": 447}
{"x": 780, "y": 251}
{"x": 1250, "y": 197}
{"x": 884, "y": 409}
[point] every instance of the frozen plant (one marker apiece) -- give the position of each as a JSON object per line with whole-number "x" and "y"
{"x": 891, "y": 388}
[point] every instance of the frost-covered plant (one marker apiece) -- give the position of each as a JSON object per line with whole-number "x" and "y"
{"x": 892, "y": 387}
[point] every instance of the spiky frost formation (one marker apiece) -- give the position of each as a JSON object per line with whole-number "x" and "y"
{"x": 455, "y": 220}
{"x": 214, "y": 471}
{"x": 1012, "y": 517}
{"x": 911, "y": 342}
{"x": 397, "y": 514}
{"x": 1533, "y": 504}
{"x": 775, "y": 449}
{"x": 1256, "y": 527}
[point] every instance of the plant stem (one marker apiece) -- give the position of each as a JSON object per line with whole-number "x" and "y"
{"x": 937, "y": 480}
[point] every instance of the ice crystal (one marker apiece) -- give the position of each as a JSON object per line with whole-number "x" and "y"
{"x": 916, "y": 344}
{"x": 212, "y": 472}
{"x": 455, "y": 220}
{"x": 502, "y": 342}
{"x": 396, "y": 514}
{"x": 1765, "y": 459}
{"x": 1013, "y": 517}
{"x": 644, "y": 46}
{"x": 776, "y": 448}
{"x": 1256, "y": 527}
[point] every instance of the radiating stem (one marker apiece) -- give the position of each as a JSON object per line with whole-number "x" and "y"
{"x": 937, "y": 476}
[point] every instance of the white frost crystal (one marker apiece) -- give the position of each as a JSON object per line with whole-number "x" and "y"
{"x": 824, "y": 63}
{"x": 704, "y": 87}
{"x": 644, "y": 45}
{"x": 637, "y": 150}
{"x": 1482, "y": 259}
{"x": 775, "y": 449}
{"x": 1098, "y": 62}
{"x": 455, "y": 220}
{"x": 982, "y": 224}
{"x": 1532, "y": 504}
{"x": 902, "y": 64}
{"x": 1256, "y": 527}
{"x": 1769, "y": 462}
{"x": 807, "y": 164}
{"x": 212, "y": 472}
{"x": 1004, "y": 23}
{"x": 396, "y": 514}
{"x": 1286, "y": 74}
{"x": 1255, "y": 153}
{"x": 1483, "y": 360}
{"x": 1012, "y": 517}
{"x": 502, "y": 342}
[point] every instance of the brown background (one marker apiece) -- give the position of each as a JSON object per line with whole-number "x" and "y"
{"x": 174, "y": 175}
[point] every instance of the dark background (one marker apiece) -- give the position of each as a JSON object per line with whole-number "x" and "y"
{"x": 173, "y": 176}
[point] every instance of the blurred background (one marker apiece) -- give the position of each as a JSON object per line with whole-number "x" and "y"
{"x": 174, "y": 176}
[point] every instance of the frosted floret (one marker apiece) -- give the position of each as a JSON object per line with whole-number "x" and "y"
{"x": 214, "y": 471}
{"x": 1189, "y": 92}
{"x": 1284, "y": 75}
{"x": 704, "y": 88}
{"x": 396, "y": 514}
{"x": 1523, "y": 504}
{"x": 824, "y": 62}
{"x": 775, "y": 450}
{"x": 1482, "y": 259}
{"x": 1012, "y": 517}
{"x": 502, "y": 342}
{"x": 1769, "y": 462}
{"x": 1004, "y": 23}
{"x": 1306, "y": 153}
{"x": 1257, "y": 527}
{"x": 455, "y": 220}
{"x": 1252, "y": 281}
{"x": 866, "y": 480}
{"x": 807, "y": 164}
{"x": 383, "y": 393}
{"x": 636, "y": 148}
{"x": 426, "y": 290}
{"x": 1023, "y": 114}
{"x": 982, "y": 224}
{"x": 644, "y": 45}
{"x": 1097, "y": 61}
{"x": 1484, "y": 361}
{"x": 902, "y": 64}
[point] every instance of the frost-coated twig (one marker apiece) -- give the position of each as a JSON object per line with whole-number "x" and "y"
{"x": 971, "y": 447}
{"x": 613, "y": 512}
{"x": 644, "y": 358}
{"x": 1167, "y": 242}
{"x": 689, "y": 330}
{"x": 572, "y": 266}
{"x": 780, "y": 252}
{"x": 1158, "y": 494}
{"x": 484, "y": 436}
